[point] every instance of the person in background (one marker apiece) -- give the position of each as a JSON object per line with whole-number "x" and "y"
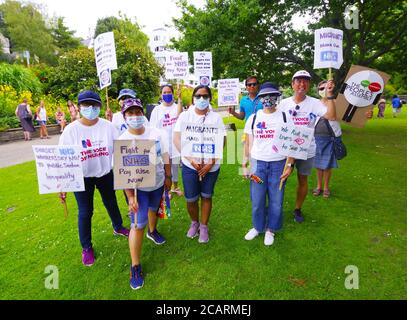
{"x": 199, "y": 175}
{"x": 164, "y": 117}
{"x": 60, "y": 118}
{"x": 73, "y": 111}
{"x": 42, "y": 120}
{"x": 396, "y": 104}
{"x": 144, "y": 205}
{"x": 95, "y": 136}
{"x": 382, "y": 107}
{"x": 24, "y": 114}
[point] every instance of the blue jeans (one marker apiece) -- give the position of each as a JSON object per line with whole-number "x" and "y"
{"x": 147, "y": 200}
{"x": 193, "y": 188}
{"x": 270, "y": 217}
{"x": 85, "y": 206}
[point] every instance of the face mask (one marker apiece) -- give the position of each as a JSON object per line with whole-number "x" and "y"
{"x": 90, "y": 113}
{"x": 201, "y": 104}
{"x": 135, "y": 122}
{"x": 322, "y": 93}
{"x": 168, "y": 98}
{"x": 269, "y": 101}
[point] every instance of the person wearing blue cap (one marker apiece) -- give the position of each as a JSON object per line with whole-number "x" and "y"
{"x": 117, "y": 118}
{"x": 267, "y": 165}
{"x": 95, "y": 136}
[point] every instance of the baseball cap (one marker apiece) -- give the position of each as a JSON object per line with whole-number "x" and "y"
{"x": 269, "y": 88}
{"x": 130, "y": 103}
{"x": 301, "y": 74}
{"x": 126, "y": 92}
{"x": 88, "y": 95}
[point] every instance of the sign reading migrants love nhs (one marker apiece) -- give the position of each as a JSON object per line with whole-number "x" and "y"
{"x": 228, "y": 92}
{"x": 328, "y": 48}
{"x": 59, "y": 169}
{"x": 202, "y": 141}
{"x": 293, "y": 141}
{"x": 134, "y": 164}
{"x": 176, "y": 65}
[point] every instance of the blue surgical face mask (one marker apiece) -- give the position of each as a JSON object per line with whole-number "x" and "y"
{"x": 90, "y": 112}
{"x": 201, "y": 103}
{"x": 168, "y": 98}
{"x": 135, "y": 122}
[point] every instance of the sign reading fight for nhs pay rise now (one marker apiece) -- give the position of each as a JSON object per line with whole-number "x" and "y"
{"x": 202, "y": 141}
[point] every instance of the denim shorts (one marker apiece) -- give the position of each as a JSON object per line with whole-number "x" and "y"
{"x": 41, "y": 123}
{"x": 193, "y": 188}
{"x": 304, "y": 167}
{"x": 147, "y": 200}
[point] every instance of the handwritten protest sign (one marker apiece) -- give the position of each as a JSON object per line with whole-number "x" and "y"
{"x": 134, "y": 164}
{"x": 59, "y": 169}
{"x": 328, "y": 48}
{"x": 203, "y": 141}
{"x": 293, "y": 141}
{"x": 105, "y": 52}
{"x": 203, "y": 64}
{"x": 176, "y": 65}
{"x": 228, "y": 92}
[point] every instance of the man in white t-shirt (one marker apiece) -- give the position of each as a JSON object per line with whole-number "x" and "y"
{"x": 304, "y": 111}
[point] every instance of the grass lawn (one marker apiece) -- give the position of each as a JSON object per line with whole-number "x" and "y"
{"x": 364, "y": 224}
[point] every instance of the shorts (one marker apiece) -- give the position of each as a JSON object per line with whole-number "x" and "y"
{"x": 396, "y": 110}
{"x": 41, "y": 123}
{"x": 193, "y": 188}
{"x": 304, "y": 167}
{"x": 147, "y": 200}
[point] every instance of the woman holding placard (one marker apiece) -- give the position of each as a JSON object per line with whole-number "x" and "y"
{"x": 268, "y": 167}
{"x": 164, "y": 117}
{"x": 95, "y": 136}
{"x": 144, "y": 205}
{"x": 199, "y": 175}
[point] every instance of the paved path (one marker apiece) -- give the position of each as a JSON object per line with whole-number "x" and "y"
{"x": 17, "y": 152}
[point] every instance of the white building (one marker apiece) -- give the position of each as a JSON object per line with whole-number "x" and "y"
{"x": 4, "y": 44}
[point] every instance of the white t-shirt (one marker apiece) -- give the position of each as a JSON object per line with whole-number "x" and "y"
{"x": 97, "y": 145}
{"x": 160, "y": 137}
{"x": 306, "y": 115}
{"x": 120, "y": 124}
{"x": 42, "y": 114}
{"x": 263, "y": 132}
{"x": 212, "y": 118}
{"x": 165, "y": 118}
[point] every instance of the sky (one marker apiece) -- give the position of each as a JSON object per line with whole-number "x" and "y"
{"x": 81, "y": 15}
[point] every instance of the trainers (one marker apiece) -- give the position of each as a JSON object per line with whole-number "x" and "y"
{"x": 203, "y": 234}
{"x": 178, "y": 192}
{"x": 268, "y": 238}
{"x": 136, "y": 277}
{"x": 121, "y": 232}
{"x": 193, "y": 230}
{"x": 253, "y": 233}
{"x": 156, "y": 237}
{"x": 88, "y": 257}
{"x": 298, "y": 216}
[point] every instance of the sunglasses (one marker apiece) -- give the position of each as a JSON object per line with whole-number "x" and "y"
{"x": 204, "y": 96}
{"x": 253, "y": 84}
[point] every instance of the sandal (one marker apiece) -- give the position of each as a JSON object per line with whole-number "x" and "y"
{"x": 317, "y": 192}
{"x": 178, "y": 192}
{"x": 327, "y": 193}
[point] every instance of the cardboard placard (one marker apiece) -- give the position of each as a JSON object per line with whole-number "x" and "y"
{"x": 176, "y": 65}
{"x": 293, "y": 141}
{"x": 228, "y": 92}
{"x": 361, "y": 90}
{"x": 328, "y": 48}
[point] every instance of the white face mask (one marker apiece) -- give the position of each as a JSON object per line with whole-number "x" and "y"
{"x": 322, "y": 93}
{"x": 201, "y": 104}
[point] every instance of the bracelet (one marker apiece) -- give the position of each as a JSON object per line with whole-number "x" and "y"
{"x": 168, "y": 177}
{"x": 331, "y": 98}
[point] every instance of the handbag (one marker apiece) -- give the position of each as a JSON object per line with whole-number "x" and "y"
{"x": 339, "y": 147}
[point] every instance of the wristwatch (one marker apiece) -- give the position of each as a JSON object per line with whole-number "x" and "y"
{"x": 168, "y": 177}
{"x": 331, "y": 98}
{"x": 290, "y": 165}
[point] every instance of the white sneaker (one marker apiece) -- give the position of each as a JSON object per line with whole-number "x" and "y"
{"x": 268, "y": 238}
{"x": 251, "y": 234}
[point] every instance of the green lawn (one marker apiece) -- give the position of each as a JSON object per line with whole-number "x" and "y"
{"x": 363, "y": 224}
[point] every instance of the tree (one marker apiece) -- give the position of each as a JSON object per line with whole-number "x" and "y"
{"x": 258, "y": 36}
{"x": 64, "y": 38}
{"x": 24, "y": 25}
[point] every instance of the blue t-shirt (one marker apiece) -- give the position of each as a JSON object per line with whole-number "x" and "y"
{"x": 396, "y": 102}
{"x": 247, "y": 106}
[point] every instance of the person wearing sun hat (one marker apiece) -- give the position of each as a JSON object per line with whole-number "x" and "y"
{"x": 304, "y": 111}
{"x": 95, "y": 136}
{"x": 144, "y": 205}
{"x": 267, "y": 164}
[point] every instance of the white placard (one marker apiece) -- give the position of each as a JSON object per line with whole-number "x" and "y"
{"x": 59, "y": 169}
{"x": 228, "y": 92}
{"x": 176, "y": 65}
{"x": 202, "y": 141}
{"x": 105, "y": 52}
{"x": 293, "y": 141}
{"x": 105, "y": 79}
{"x": 205, "y": 81}
{"x": 328, "y": 48}
{"x": 203, "y": 64}
{"x": 134, "y": 164}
